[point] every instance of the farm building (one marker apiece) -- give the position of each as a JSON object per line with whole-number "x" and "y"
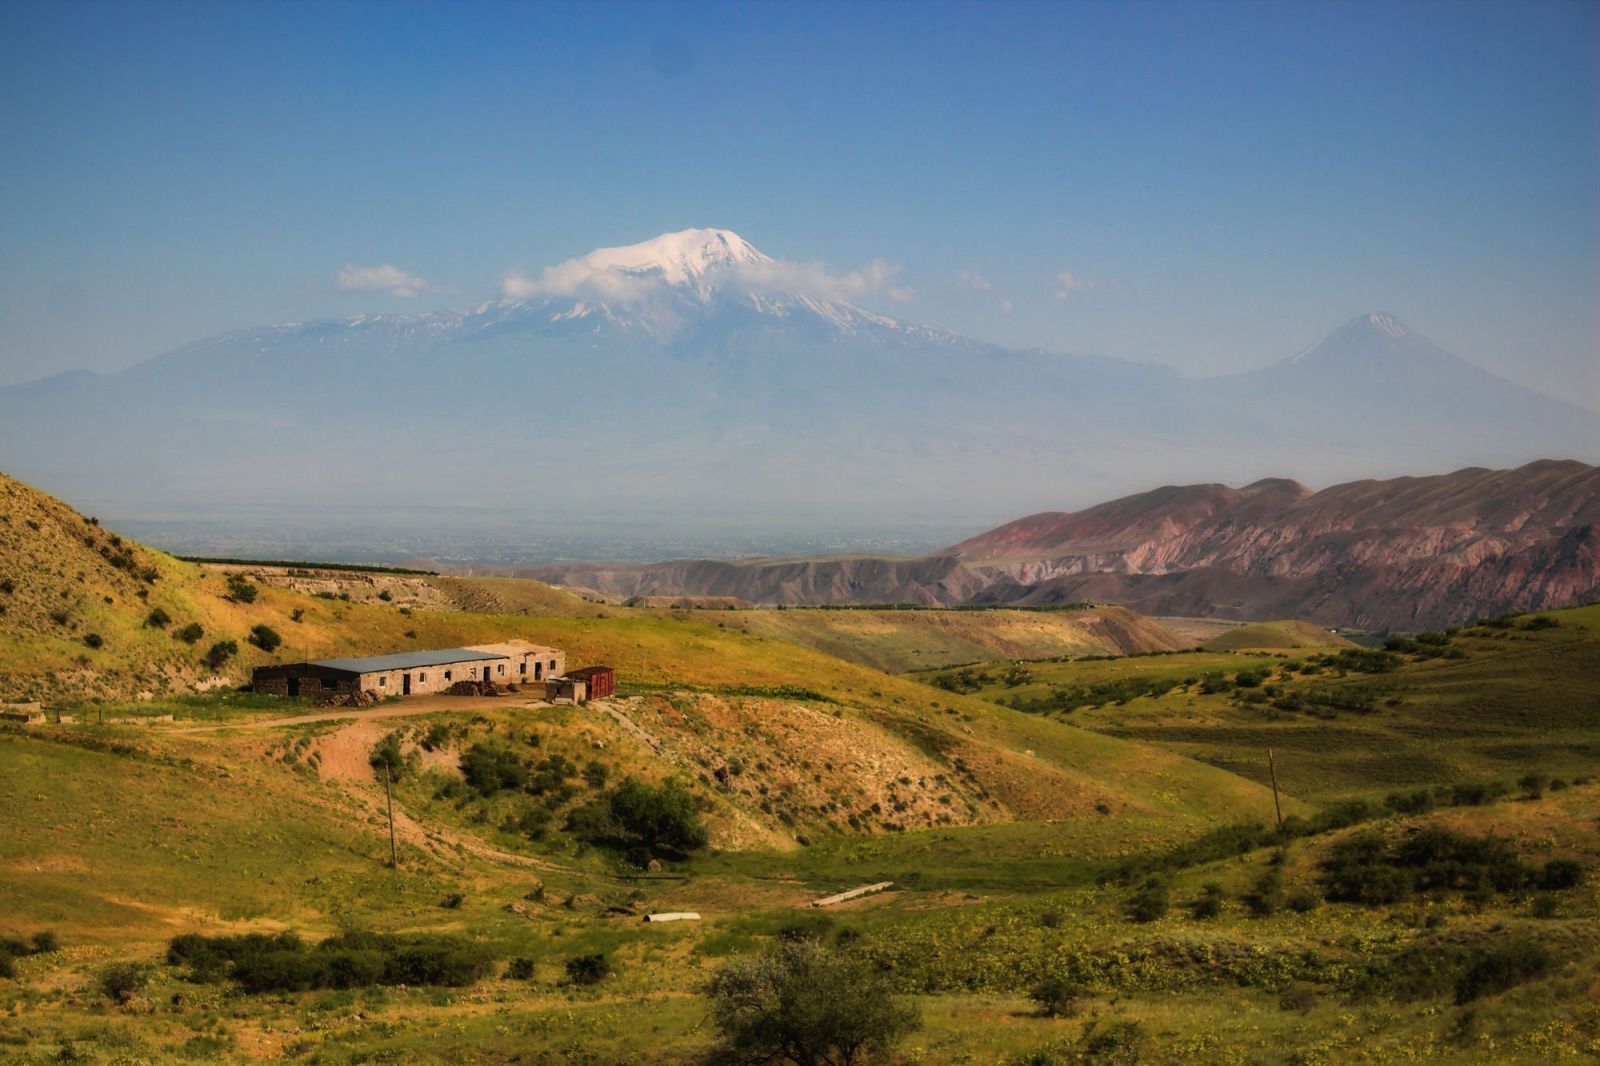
{"x": 411, "y": 673}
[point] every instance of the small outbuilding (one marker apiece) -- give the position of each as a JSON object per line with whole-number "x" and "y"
{"x": 599, "y": 681}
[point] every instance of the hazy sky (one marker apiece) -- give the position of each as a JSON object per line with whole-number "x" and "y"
{"x": 1211, "y": 186}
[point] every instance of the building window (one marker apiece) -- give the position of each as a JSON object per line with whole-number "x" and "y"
{"x": 552, "y": 664}
{"x": 473, "y": 671}
{"x": 421, "y": 678}
{"x": 522, "y": 667}
{"x": 500, "y": 669}
{"x": 382, "y": 681}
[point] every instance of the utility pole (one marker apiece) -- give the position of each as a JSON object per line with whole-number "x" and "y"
{"x": 388, "y": 795}
{"x": 1272, "y": 768}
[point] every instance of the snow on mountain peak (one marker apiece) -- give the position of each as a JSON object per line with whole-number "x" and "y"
{"x": 680, "y": 257}
{"x": 1357, "y": 336}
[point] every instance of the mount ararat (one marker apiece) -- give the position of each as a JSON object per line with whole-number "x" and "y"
{"x": 693, "y": 373}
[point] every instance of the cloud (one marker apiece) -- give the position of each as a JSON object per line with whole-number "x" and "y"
{"x": 970, "y": 281}
{"x": 1006, "y": 305}
{"x": 580, "y": 279}
{"x": 814, "y": 279}
{"x": 385, "y": 277}
{"x": 1065, "y": 285}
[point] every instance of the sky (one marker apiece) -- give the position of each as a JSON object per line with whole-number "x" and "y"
{"x": 1209, "y": 186}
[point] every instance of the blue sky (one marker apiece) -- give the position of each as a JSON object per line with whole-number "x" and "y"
{"x": 1222, "y": 183}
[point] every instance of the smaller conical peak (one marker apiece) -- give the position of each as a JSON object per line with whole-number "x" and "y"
{"x": 679, "y": 257}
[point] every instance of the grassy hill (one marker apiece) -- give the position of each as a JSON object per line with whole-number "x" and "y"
{"x": 1019, "y": 837}
{"x": 903, "y": 640}
{"x": 1483, "y": 703}
{"x": 1276, "y": 636}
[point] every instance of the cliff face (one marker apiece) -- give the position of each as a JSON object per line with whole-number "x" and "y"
{"x": 1405, "y": 553}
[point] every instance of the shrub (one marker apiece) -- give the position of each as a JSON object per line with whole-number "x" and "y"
{"x": 386, "y": 755}
{"x": 190, "y": 633}
{"x": 157, "y": 618}
{"x": 1560, "y": 874}
{"x": 265, "y": 637}
{"x": 1365, "y": 869}
{"x": 637, "y": 816}
{"x": 220, "y": 652}
{"x": 297, "y": 614}
{"x": 1502, "y": 967}
{"x": 282, "y": 962}
{"x": 94, "y": 640}
{"x": 240, "y": 590}
{"x": 121, "y": 981}
{"x": 1533, "y": 785}
{"x": 805, "y": 1002}
{"x": 453, "y": 901}
{"x": 8, "y": 586}
{"x": 8, "y": 965}
{"x": 520, "y": 969}
{"x": 588, "y": 969}
{"x": 1057, "y": 997}
{"x": 1209, "y": 903}
{"x": 490, "y": 767}
{"x": 44, "y": 942}
{"x": 1265, "y": 897}
{"x": 1151, "y": 901}
{"x": 1298, "y": 998}
{"x": 385, "y": 596}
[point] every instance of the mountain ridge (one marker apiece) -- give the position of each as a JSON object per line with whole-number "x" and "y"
{"x": 696, "y": 373}
{"x": 1406, "y": 553}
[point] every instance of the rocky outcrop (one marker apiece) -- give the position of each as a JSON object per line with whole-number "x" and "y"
{"x": 1406, "y": 553}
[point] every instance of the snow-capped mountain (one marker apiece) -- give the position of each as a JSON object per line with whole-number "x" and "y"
{"x": 693, "y": 372}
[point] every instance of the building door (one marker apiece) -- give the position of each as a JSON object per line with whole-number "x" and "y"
{"x": 294, "y": 686}
{"x": 538, "y": 670}
{"x": 405, "y": 684}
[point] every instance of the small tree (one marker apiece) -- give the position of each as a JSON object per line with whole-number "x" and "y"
{"x": 806, "y": 1004}
{"x": 157, "y": 618}
{"x": 265, "y": 637}
{"x": 240, "y": 590}
{"x": 190, "y": 633}
{"x": 386, "y": 754}
{"x": 1209, "y": 903}
{"x": 94, "y": 640}
{"x": 220, "y": 652}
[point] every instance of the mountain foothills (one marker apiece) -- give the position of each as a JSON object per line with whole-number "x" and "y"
{"x": 1279, "y": 840}
{"x": 693, "y": 371}
{"x": 1408, "y": 553}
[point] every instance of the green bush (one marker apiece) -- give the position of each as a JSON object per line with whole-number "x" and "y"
{"x": 265, "y": 637}
{"x": 1501, "y": 968}
{"x": 1367, "y": 869}
{"x": 490, "y": 767}
{"x": 520, "y": 969}
{"x": 283, "y": 962}
{"x": 1209, "y": 903}
{"x": 1151, "y": 901}
{"x": 642, "y": 819}
{"x": 240, "y": 590}
{"x": 220, "y": 652}
{"x": 588, "y": 969}
{"x": 190, "y": 633}
{"x": 1058, "y": 997}
{"x": 157, "y": 618}
{"x": 94, "y": 640}
{"x": 804, "y": 1002}
{"x": 121, "y": 981}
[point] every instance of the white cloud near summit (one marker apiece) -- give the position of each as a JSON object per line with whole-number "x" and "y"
{"x": 385, "y": 277}
{"x": 1066, "y": 284}
{"x": 579, "y": 279}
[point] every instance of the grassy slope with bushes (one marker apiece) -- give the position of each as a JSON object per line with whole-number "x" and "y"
{"x": 1136, "y": 890}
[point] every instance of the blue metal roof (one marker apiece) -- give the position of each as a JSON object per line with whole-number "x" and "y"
{"x": 406, "y": 660}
